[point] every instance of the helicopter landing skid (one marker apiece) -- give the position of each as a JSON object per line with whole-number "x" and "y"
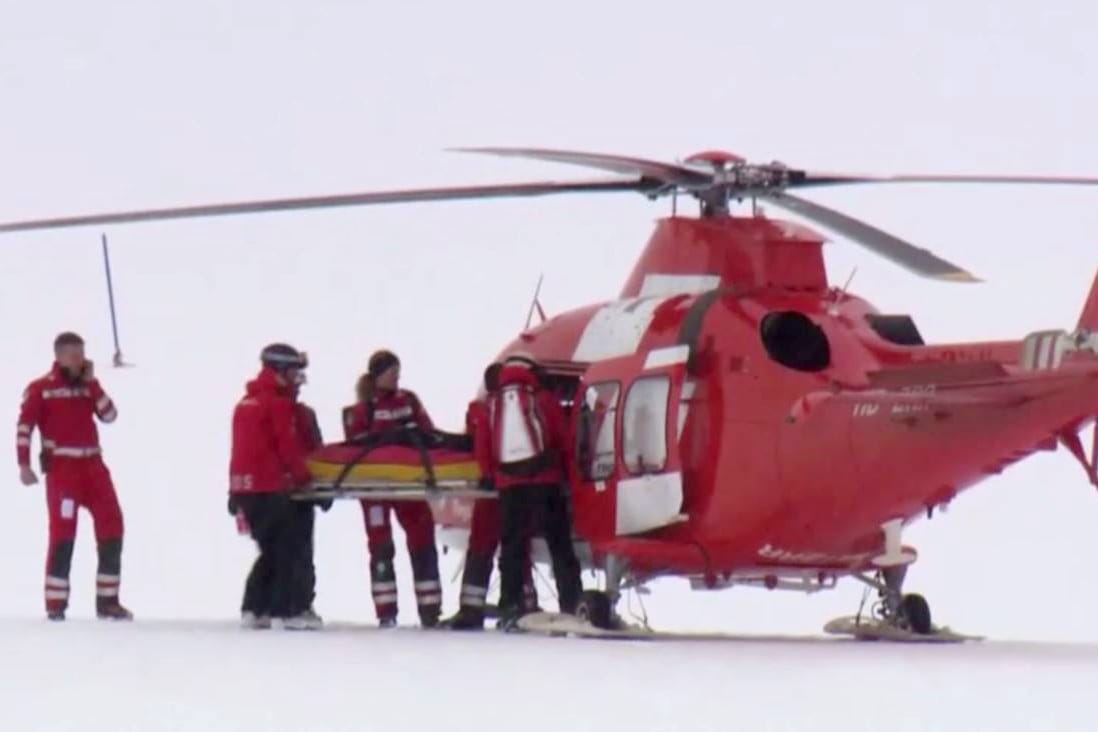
{"x": 873, "y": 629}
{"x": 894, "y": 616}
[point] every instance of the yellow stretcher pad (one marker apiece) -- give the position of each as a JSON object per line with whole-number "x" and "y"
{"x": 328, "y": 472}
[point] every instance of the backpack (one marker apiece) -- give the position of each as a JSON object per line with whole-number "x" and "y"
{"x": 519, "y": 432}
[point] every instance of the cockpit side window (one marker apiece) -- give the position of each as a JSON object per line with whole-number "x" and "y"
{"x": 644, "y": 425}
{"x": 597, "y": 449}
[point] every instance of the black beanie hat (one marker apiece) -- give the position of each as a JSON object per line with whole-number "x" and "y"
{"x": 380, "y": 362}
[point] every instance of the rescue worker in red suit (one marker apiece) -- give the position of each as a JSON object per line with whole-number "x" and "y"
{"x": 484, "y": 530}
{"x": 383, "y": 410}
{"x": 255, "y": 611}
{"x": 524, "y": 441}
{"x": 267, "y": 465}
{"x": 61, "y": 405}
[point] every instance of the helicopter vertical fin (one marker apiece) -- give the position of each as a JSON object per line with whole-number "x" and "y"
{"x": 1088, "y": 320}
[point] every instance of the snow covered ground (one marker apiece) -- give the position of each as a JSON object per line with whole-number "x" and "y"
{"x": 189, "y": 675}
{"x": 119, "y": 104}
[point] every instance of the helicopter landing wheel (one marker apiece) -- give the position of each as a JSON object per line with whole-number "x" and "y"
{"x": 914, "y": 612}
{"x": 595, "y": 607}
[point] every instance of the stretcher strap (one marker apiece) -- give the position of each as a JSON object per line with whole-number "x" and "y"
{"x": 369, "y": 442}
{"x": 425, "y": 456}
{"x": 396, "y": 436}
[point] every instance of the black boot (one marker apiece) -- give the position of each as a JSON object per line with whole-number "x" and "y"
{"x": 466, "y": 618}
{"x": 509, "y": 618}
{"x": 109, "y": 608}
{"x": 429, "y": 616}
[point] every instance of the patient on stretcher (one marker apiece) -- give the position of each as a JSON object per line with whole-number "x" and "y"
{"x": 406, "y": 459}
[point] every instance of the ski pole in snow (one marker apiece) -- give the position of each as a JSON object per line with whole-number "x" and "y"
{"x": 118, "y": 362}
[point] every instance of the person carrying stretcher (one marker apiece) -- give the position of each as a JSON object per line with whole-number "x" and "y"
{"x": 484, "y": 530}
{"x": 267, "y": 465}
{"x": 384, "y": 410}
{"x": 258, "y": 589}
{"x": 523, "y": 443}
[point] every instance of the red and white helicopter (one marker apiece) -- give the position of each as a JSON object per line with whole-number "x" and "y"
{"x": 741, "y": 421}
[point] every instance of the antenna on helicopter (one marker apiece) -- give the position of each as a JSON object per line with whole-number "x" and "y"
{"x": 846, "y": 285}
{"x": 841, "y": 293}
{"x": 535, "y": 305}
{"x": 118, "y": 361}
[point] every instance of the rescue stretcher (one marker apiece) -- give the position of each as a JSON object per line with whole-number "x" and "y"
{"x": 401, "y": 465}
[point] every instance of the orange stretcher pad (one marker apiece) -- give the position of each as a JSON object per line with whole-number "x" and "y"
{"x": 391, "y": 472}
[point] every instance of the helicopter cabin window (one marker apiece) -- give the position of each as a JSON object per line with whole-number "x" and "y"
{"x": 794, "y": 341}
{"x": 644, "y": 425}
{"x": 598, "y": 449}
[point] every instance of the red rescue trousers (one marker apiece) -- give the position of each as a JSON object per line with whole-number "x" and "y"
{"x": 419, "y": 529}
{"x": 72, "y": 484}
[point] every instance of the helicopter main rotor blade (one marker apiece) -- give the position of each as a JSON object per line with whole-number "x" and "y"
{"x": 351, "y": 199}
{"x": 905, "y": 254}
{"x": 651, "y": 169}
{"x": 824, "y": 179}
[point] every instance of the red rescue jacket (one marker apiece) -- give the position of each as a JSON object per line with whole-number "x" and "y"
{"x": 63, "y": 412}
{"x": 268, "y": 453}
{"x": 545, "y": 423}
{"x": 385, "y": 411}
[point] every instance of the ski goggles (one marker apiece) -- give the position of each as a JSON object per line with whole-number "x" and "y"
{"x": 286, "y": 361}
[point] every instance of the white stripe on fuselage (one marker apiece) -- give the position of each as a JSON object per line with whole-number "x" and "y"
{"x": 617, "y": 329}
{"x": 664, "y": 285}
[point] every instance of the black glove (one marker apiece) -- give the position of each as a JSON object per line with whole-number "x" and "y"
{"x": 325, "y": 505}
{"x": 486, "y": 484}
{"x": 232, "y": 506}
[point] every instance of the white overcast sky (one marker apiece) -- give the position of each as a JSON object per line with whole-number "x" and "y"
{"x": 113, "y": 105}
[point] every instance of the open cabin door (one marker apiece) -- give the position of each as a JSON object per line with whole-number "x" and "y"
{"x": 628, "y": 472}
